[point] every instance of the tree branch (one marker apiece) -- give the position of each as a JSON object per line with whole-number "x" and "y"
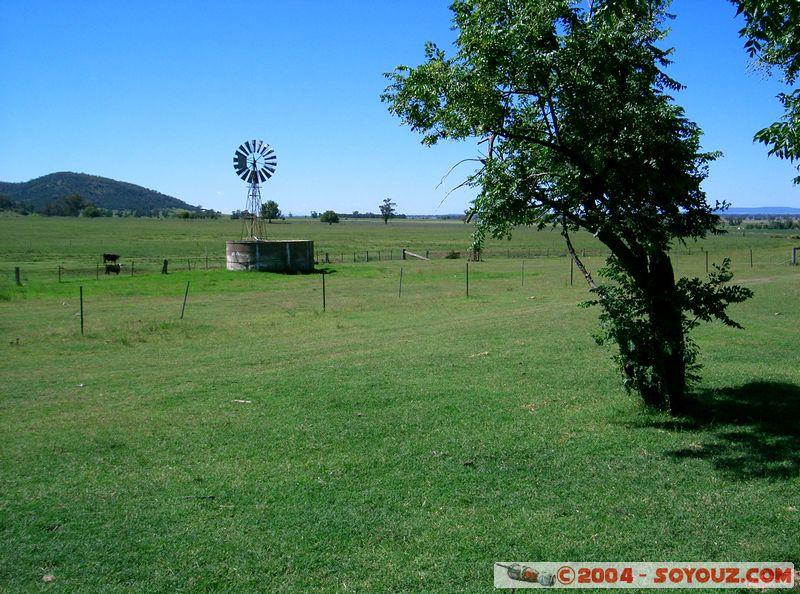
{"x": 446, "y": 175}
{"x": 586, "y": 274}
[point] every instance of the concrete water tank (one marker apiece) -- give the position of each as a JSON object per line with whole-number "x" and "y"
{"x": 272, "y": 255}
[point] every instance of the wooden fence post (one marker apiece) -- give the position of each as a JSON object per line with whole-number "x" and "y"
{"x": 81, "y": 294}
{"x": 185, "y": 295}
{"x": 400, "y": 291}
{"x": 17, "y": 278}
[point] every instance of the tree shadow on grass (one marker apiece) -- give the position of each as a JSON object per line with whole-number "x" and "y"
{"x": 754, "y": 430}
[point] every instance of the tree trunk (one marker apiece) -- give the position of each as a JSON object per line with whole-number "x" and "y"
{"x": 652, "y": 348}
{"x": 666, "y": 323}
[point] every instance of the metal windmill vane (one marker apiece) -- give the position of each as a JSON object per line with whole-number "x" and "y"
{"x": 255, "y": 162}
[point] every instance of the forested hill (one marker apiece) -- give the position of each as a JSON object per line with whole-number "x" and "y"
{"x": 102, "y": 192}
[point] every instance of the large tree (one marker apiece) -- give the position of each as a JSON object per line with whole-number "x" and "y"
{"x": 329, "y": 217}
{"x": 387, "y": 209}
{"x": 574, "y": 109}
{"x": 771, "y": 37}
{"x": 65, "y": 206}
{"x": 772, "y": 30}
{"x": 270, "y": 210}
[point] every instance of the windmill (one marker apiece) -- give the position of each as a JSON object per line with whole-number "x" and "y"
{"x": 255, "y": 162}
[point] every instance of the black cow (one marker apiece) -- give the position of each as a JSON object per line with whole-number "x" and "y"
{"x": 115, "y": 268}
{"x": 110, "y": 258}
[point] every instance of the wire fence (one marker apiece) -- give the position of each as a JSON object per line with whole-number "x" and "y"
{"x": 494, "y": 276}
{"x": 327, "y": 256}
{"x": 84, "y": 270}
{"x": 97, "y": 269}
{"x": 686, "y": 260}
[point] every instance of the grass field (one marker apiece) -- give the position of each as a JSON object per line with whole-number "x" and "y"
{"x": 393, "y": 443}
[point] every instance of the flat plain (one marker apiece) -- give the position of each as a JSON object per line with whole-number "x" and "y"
{"x": 403, "y": 439}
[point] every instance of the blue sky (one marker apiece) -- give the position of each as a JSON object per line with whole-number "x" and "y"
{"x": 160, "y": 94}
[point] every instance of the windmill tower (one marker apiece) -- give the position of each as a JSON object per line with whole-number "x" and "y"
{"x": 255, "y": 162}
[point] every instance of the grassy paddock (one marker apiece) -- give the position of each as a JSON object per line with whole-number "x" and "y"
{"x": 39, "y": 245}
{"x": 392, "y": 443}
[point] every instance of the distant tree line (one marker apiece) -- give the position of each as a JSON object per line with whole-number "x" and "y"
{"x": 75, "y": 205}
{"x": 368, "y": 215}
{"x": 7, "y": 204}
{"x": 757, "y": 221}
{"x": 269, "y": 211}
{"x": 359, "y": 215}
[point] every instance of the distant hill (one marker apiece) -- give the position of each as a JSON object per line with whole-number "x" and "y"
{"x": 100, "y": 191}
{"x": 763, "y": 210}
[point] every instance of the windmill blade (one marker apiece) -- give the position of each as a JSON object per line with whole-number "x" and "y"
{"x": 240, "y": 164}
{"x": 254, "y": 161}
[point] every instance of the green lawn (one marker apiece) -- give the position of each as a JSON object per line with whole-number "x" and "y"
{"x": 392, "y": 443}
